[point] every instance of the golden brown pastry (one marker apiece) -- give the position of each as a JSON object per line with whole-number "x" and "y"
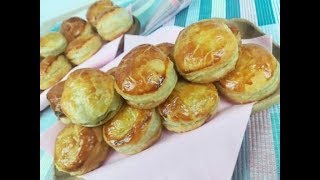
{"x": 52, "y": 70}
{"x": 189, "y": 106}
{"x": 79, "y": 149}
{"x": 114, "y": 23}
{"x": 132, "y": 130}
{"x": 167, "y": 49}
{"x": 82, "y": 48}
{"x": 75, "y": 27}
{"x": 112, "y": 71}
{"x": 54, "y": 97}
{"x": 257, "y": 75}
{"x": 205, "y": 51}
{"x": 145, "y": 77}
{"x": 97, "y": 10}
{"x": 89, "y": 98}
{"x": 52, "y": 44}
{"x": 232, "y": 26}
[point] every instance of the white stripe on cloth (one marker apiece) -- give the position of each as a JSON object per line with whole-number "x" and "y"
{"x": 193, "y": 12}
{"x": 218, "y": 8}
{"x": 45, "y": 165}
{"x": 261, "y": 157}
{"x": 276, "y": 10}
{"x": 248, "y": 11}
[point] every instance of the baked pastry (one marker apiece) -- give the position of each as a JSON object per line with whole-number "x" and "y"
{"x": 205, "y": 51}
{"x": 79, "y": 149}
{"x": 114, "y": 23}
{"x": 52, "y": 44}
{"x": 145, "y": 77}
{"x": 54, "y": 97}
{"x": 97, "y": 10}
{"x": 52, "y": 70}
{"x": 75, "y": 27}
{"x": 132, "y": 130}
{"x": 232, "y": 26}
{"x": 167, "y": 49}
{"x": 82, "y": 48}
{"x": 257, "y": 75}
{"x": 189, "y": 106}
{"x": 89, "y": 98}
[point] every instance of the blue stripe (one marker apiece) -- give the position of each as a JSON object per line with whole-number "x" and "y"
{"x": 50, "y": 173}
{"x": 56, "y": 27}
{"x": 205, "y": 9}
{"x": 47, "y": 119}
{"x": 181, "y": 17}
{"x": 232, "y": 9}
{"x": 275, "y": 119}
{"x": 264, "y": 12}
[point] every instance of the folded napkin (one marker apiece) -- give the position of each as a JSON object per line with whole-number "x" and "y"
{"x": 102, "y": 57}
{"x": 209, "y": 152}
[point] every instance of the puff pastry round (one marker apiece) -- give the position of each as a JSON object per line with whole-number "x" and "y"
{"x": 89, "y": 98}
{"x": 82, "y": 48}
{"x": 132, "y": 130}
{"x": 205, "y": 51}
{"x": 79, "y": 149}
{"x": 232, "y": 26}
{"x": 145, "y": 77}
{"x": 97, "y": 10}
{"x": 189, "y": 106}
{"x": 54, "y": 98}
{"x": 75, "y": 27}
{"x": 114, "y": 23}
{"x": 167, "y": 49}
{"x": 52, "y": 44}
{"x": 257, "y": 75}
{"x": 52, "y": 70}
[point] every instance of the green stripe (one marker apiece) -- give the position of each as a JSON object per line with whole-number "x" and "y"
{"x": 41, "y": 153}
{"x": 275, "y": 119}
{"x": 232, "y": 9}
{"x": 205, "y": 9}
{"x": 50, "y": 173}
{"x": 181, "y": 17}
{"x": 264, "y": 12}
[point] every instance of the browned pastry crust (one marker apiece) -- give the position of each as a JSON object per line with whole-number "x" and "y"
{"x": 89, "y": 98}
{"x": 132, "y": 130}
{"x": 205, "y": 51}
{"x": 98, "y": 9}
{"x": 167, "y": 49}
{"x": 189, "y": 106}
{"x": 75, "y": 27}
{"x": 257, "y": 75}
{"x": 145, "y": 77}
{"x": 52, "y": 70}
{"x": 79, "y": 149}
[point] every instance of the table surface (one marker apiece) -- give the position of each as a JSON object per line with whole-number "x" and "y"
{"x": 259, "y": 156}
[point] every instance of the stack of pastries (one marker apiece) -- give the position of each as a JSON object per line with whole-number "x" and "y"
{"x": 79, "y": 39}
{"x": 174, "y": 85}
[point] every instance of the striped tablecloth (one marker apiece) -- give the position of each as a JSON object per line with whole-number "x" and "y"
{"x": 259, "y": 157}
